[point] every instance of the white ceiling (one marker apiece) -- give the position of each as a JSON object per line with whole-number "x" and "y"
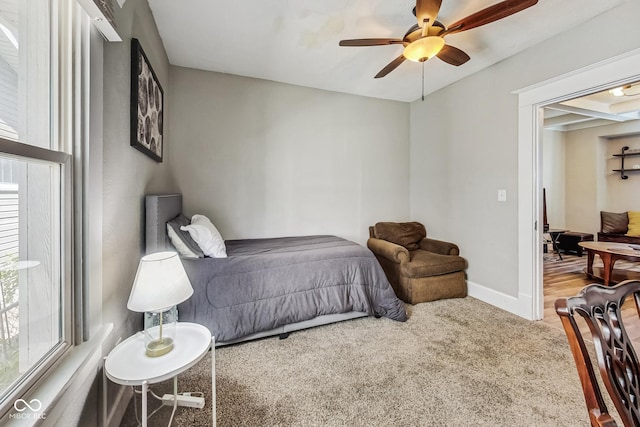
{"x": 598, "y": 109}
{"x": 296, "y": 41}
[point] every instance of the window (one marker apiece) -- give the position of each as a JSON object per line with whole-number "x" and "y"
{"x": 35, "y": 193}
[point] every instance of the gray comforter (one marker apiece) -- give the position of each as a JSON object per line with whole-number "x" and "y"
{"x": 268, "y": 283}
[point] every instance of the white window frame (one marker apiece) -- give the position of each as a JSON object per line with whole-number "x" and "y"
{"x": 37, "y": 372}
{"x": 61, "y": 91}
{"x": 76, "y": 107}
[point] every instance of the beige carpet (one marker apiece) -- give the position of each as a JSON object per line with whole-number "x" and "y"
{"x": 456, "y": 362}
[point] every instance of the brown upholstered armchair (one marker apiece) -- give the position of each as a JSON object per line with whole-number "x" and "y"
{"x": 419, "y": 269}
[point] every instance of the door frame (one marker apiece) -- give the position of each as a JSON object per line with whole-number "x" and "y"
{"x": 612, "y": 72}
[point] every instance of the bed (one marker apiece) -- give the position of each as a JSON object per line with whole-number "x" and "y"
{"x": 275, "y": 286}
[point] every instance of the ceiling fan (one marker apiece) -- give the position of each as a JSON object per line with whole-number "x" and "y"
{"x": 425, "y": 39}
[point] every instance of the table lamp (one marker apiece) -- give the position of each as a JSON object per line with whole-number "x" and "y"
{"x": 160, "y": 284}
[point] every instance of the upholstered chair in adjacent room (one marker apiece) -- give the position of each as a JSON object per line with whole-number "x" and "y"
{"x": 420, "y": 269}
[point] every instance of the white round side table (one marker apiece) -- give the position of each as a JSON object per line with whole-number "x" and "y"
{"x": 127, "y": 364}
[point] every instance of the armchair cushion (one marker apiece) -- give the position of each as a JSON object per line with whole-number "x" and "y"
{"x": 407, "y": 234}
{"x": 424, "y": 264}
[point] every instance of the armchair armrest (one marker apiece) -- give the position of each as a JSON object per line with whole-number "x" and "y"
{"x": 391, "y": 251}
{"x": 439, "y": 247}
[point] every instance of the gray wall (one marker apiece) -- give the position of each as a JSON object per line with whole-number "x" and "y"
{"x": 265, "y": 159}
{"x": 464, "y": 145}
{"x": 128, "y": 173}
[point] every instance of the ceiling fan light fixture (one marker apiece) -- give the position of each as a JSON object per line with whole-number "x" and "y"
{"x": 423, "y": 48}
{"x": 425, "y": 39}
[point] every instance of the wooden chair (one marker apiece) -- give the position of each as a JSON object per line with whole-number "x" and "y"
{"x": 601, "y": 306}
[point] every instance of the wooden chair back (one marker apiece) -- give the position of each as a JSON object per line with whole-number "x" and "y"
{"x": 601, "y": 307}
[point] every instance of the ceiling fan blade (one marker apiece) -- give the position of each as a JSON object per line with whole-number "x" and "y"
{"x": 390, "y": 67}
{"x": 489, "y": 15}
{"x": 427, "y": 9}
{"x": 453, "y": 55}
{"x": 370, "y": 42}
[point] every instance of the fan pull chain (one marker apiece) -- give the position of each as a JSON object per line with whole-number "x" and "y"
{"x": 423, "y": 80}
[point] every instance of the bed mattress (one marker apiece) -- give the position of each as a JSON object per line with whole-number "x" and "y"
{"x": 268, "y": 283}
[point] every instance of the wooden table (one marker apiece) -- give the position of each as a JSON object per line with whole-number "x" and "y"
{"x": 609, "y": 253}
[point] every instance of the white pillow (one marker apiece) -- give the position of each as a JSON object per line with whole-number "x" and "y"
{"x": 207, "y": 236}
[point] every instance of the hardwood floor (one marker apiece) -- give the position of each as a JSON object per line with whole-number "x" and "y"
{"x": 567, "y": 278}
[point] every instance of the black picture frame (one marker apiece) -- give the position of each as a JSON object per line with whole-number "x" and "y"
{"x": 147, "y": 105}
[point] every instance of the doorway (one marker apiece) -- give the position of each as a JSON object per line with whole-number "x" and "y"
{"x": 580, "y": 140}
{"x": 617, "y": 71}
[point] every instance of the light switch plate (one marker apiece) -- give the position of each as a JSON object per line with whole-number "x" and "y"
{"x": 502, "y": 195}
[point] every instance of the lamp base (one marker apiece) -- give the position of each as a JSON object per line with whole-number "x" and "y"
{"x": 159, "y": 347}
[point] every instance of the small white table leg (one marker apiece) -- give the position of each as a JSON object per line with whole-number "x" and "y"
{"x": 213, "y": 381}
{"x": 145, "y": 389}
{"x": 175, "y": 399}
{"x": 104, "y": 393}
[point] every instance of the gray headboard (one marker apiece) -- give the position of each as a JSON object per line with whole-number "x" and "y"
{"x": 160, "y": 208}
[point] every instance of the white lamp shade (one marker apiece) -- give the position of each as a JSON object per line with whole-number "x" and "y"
{"x": 160, "y": 283}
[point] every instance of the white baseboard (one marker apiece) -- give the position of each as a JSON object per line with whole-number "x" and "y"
{"x": 525, "y": 307}
{"x": 493, "y": 297}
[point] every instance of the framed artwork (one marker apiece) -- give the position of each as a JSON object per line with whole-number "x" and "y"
{"x": 147, "y": 105}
